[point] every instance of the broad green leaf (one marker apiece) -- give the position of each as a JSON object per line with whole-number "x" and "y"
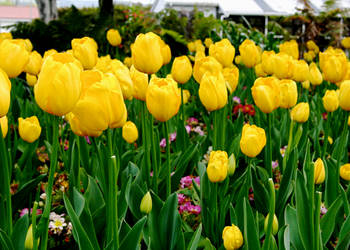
{"x": 19, "y": 233}
{"x": 251, "y": 238}
{"x": 195, "y": 239}
{"x": 5, "y": 241}
{"x": 328, "y": 220}
{"x": 132, "y": 239}
{"x": 290, "y": 217}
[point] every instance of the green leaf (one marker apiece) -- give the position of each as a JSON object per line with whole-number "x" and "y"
{"x": 290, "y": 217}
{"x": 132, "y": 239}
{"x": 328, "y": 220}
{"x": 19, "y": 233}
{"x": 251, "y": 238}
{"x": 93, "y": 196}
{"x": 195, "y": 239}
{"x": 331, "y": 191}
{"x": 5, "y": 241}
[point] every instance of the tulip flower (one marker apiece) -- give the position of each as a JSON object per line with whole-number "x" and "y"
{"x": 165, "y": 50}
{"x": 212, "y": 91}
{"x": 319, "y": 171}
{"x": 233, "y": 238}
{"x": 274, "y": 224}
{"x": 5, "y": 92}
{"x": 309, "y": 56}
{"x": 223, "y": 52}
{"x": 250, "y": 53}
{"x": 85, "y": 50}
{"x": 191, "y": 46}
{"x": 238, "y": 60}
{"x": 122, "y": 73}
{"x": 58, "y": 87}
{"x": 231, "y": 75}
{"x": 333, "y": 64}
{"x": 49, "y": 53}
{"x": 290, "y": 48}
{"x": 315, "y": 75}
{"x": 199, "y": 45}
{"x": 312, "y": 46}
{"x": 181, "y": 70}
{"x": 259, "y": 72}
{"x": 128, "y": 61}
{"x": 288, "y": 93}
{"x": 4, "y": 125}
{"x": 283, "y": 66}
{"x": 231, "y": 165}
{"x": 344, "y": 95}
{"x": 140, "y": 82}
{"x": 34, "y": 63}
{"x": 29, "y": 242}
{"x": 146, "y": 203}
{"x": 113, "y": 37}
{"x": 300, "y": 113}
{"x": 13, "y": 57}
{"x": 104, "y": 64}
{"x": 4, "y": 36}
{"x": 217, "y": 166}
{"x": 186, "y": 95}
{"x": 330, "y": 101}
{"x": 204, "y": 65}
{"x": 305, "y": 84}
{"x": 346, "y": 42}
{"x": 300, "y": 71}
{"x": 208, "y": 42}
{"x": 266, "y": 93}
{"x": 129, "y": 132}
{"x": 267, "y": 61}
{"x": 345, "y": 172}
{"x": 253, "y": 140}
{"x": 29, "y": 129}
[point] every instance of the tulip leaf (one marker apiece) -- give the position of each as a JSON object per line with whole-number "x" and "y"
{"x": 132, "y": 239}
{"x": 5, "y": 241}
{"x": 94, "y": 196}
{"x": 331, "y": 191}
{"x": 19, "y": 233}
{"x": 195, "y": 239}
{"x": 328, "y": 220}
{"x": 290, "y": 217}
{"x": 251, "y": 238}
{"x": 344, "y": 235}
{"x": 261, "y": 195}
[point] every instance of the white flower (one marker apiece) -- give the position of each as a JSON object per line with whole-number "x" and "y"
{"x": 57, "y": 223}
{"x": 43, "y": 196}
{"x": 69, "y": 228}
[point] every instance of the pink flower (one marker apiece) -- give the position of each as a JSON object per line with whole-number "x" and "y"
{"x": 274, "y": 164}
{"x": 188, "y": 129}
{"x": 87, "y": 139}
{"x": 236, "y": 99}
{"x": 162, "y": 143}
{"x": 199, "y": 130}
{"x": 181, "y": 198}
{"x": 197, "y": 180}
{"x": 192, "y": 120}
{"x": 173, "y": 136}
{"x": 26, "y": 210}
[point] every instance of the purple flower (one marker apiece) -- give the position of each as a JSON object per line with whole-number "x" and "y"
{"x": 25, "y": 211}
{"x": 274, "y": 164}
{"x": 194, "y": 209}
{"x": 192, "y": 120}
{"x": 236, "y": 99}
{"x": 181, "y": 198}
{"x": 188, "y": 129}
{"x": 173, "y": 136}
{"x": 197, "y": 180}
{"x": 324, "y": 210}
{"x": 87, "y": 139}
{"x": 199, "y": 130}
{"x": 162, "y": 143}
{"x": 186, "y": 181}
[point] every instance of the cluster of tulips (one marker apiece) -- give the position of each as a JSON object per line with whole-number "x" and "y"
{"x": 129, "y": 187}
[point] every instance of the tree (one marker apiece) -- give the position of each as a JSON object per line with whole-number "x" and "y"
{"x": 47, "y": 10}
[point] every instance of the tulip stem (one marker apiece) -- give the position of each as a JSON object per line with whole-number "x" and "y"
{"x": 290, "y": 140}
{"x": 35, "y": 242}
{"x": 317, "y": 219}
{"x": 269, "y": 146}
{"x": 155, "y": 160}
{"x": 326, "y": 133}
{"x": 183, "y": 114}
{"x": 266, "y": 244}
{"x": 168, "y": 181}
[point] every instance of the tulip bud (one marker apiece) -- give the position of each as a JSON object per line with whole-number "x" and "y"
{"x": 4, "y": 36}
{"x": 290, "y": 48}
{"x": 4, "y": 126}
{"x": 309, "y": 56}
{"x": 85, "y": 50}
{"x": 345, "y": 172}
{"x": 217, "y": 166}
{"x": 113, "y": 37}
{"x": 208, "y": 42}
{"x": 146, "y": 203}
{"x": 104, "y": 64}
{"x": 31, "y": 79}
{"x": 223, "y": 52}
{"x": 274, "y": 224}
{"x": 311, "y": 45}
{"x": 181, "y": 70}
{"x": 267, "y": 61}
{"x": 165, "y": 50}
{"x": 231, "y": 76}
{"x": 250, "y": 53}
{"x": 283, "y": 66}
{"x": 232, "y": 236}
{"x": 34, "y": 63}
{"x": 300, "y": 71}
{"x": 127, "y": 61}
{"x": 29, "y": 128}
{"x": 315, "y": 75}
{"x": 140, "y": 82}
{"x": 199, "y": 45}
{"x": 204, "y": 65}
{"x": 191, "y": 47}
{"x": 319, "y": 171}
{"x": 300, "y": 113}
{"x": 288, "y": 93}
{"x": 266, "y": 93}
{"x": 186, "y": 95}
{"x": 333, "y": 64}
{"x": 344, "y": 95}
{"x": 122, "y": 73}
{"x": 346, "y": 42}
{"x": 238, "y": 60}
{"x": 305, "y": 84}
{"x": 231, "y": 165}
{"x": 49, "y": 53}
{"x": 5, "y": 92}
{"x": 129, "y": 132}
{"x": 330, "y": 101}
{"x": 28, "y": 244}
{"x": 253, "y": 140}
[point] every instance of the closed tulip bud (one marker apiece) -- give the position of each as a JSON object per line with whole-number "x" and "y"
{"x": 283, "y": 66}
{"x": 231, "y": 165}
{"x": 34, "y": 63}
{"x": 319, "y": 171}
{"x": 300, "y": 113}
{"x": 122, "y": 73}
{"x": 29, "y": 128}
{"x": 345, "y": 172}
{"x": 49, "y": 53}
{"x": 311, "y": 45}
{"x": 217, "y": 166}
{"x": 104, "y": 64}
{"x": 308, "y": 56}
{"x": 78, "y": 127}
{"x": 191, "y": 46}
{"x": 58, "y": 87}
{"x": 288, "y": 93}
{"x": 259, "y": 72}
{"x": 28, "y": 45}
{"x": 231, "y": 76}
{"x": 233, "y": 238}
{"x": 315, "y": 75}
{"x": 204, "y": 65}
{"x": 208, "y": 42}
{"x": 127, "y": 61}
{"x": 267, "y": 61}
{"x": 13, "y": 57}
{"x": 330, "y": 101}
{"x": 300, "y": 71}
{"x": 250, "y": 53}
{"x": 28, "y": 244}
{"x": 199, "y": 55}
{"x": 31, "y": 79}
{"x": 113, "y": 37}
{"x": 290, "y": 48}
{"x": 333, "y": 64}
{"x": 146, "y": 53}
{"x": 238, "y": 60}
{"x": 199, "y": 45}
{"x": 274, "y": 224}
{"x": 163, "y": 98}
{"x": 140, "y": 82}
{"x": 253, "y": 140}
{"x": 305, "y": 84}
{"x": 223, "y": 52}
{"x": 85, "y": 50}
{"x": 146, "y": 203}
{"x": 4, "y": 126}
{"x": 129, "y": 132}
{"x": 181, "y": 70}
{"x": 166, "y": 52}
{"x": 186, "y": 96}
{"x": 212, "y": 91}
{"x": 4, "y": 36}
{"x": 266, "y": 93}
{"x": 346, "y": 42}
{"x": 5, "y": 92}
{"x": 344, "y": 95}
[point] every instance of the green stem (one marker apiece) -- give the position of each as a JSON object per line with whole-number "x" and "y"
{"x": 269, "y": 146}
{"x": 183, "y": 114}
{"x": 154, "y": 157}
{"x": 35, "y": 242}
{"x": 326, "y": 133}
{"x": 215, "y": 128}
{"x": 223, "y": 128}
{"x": 317, "y": 219}
{"x": 77, "y": 168}
{"x": 146, "y": 144}
{"x": 289, "y": 146}
{"x": 271, "y": 215}
{"x": 168, "y": 181}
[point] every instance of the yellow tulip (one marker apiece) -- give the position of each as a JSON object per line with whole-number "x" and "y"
{"x": 181, "y": 69}
{"x": 250, "y": 53}
{"x": 199, "y": 55}
{"x": 212, "y": 91}
{"x": 146, "y": 53}
{"x": 267, "y": 61}
{"x": 113, "y": 37}
{"x": 315, "y": 75}
{"x": 346, "y": 42}
{"x": 330, "y": 101}
{"x": 274, "y": 224}
{"x": 191, "y": 46}
{"x": 85, "y": 50}
{"x": 309, "y": 56}
{"x": 231, "y": 76}
{"x": 233, "y": 238}
{"x": 266, "y": 93}
{"x": 345, "y": 172}
{"x": 140, "y": 82}
{"x": 312, "y": 46}
{"x": 28, "y": 45}
{"x": 319, "y": 171}
{"x": 253, "y": 140}
{"x": 163, "y": 98}
{"x": 104, "y": 64}
{"x": 31, "y": 79}
{"x": 288, "y": 93}
{"x": 127, "y": 61}
{"x": 223, "y": 52}
{"x": 29, "y": 128}
{"x": 58, "y": 87}
{"x": 28, "y": 244}
{"x": 186, "y": 95}
{"x": 5, "y": 92}
{"x": 300, "y": 71}
{"x": 4, "y": 125}
{"x": 13, "y": 57}
{"x": 344, "y": 95}
{"x": 49, "y": 53}
{"x": 333, "y": 64}
{"x": 217, "y": 166}
{"x": 204, "y": 65}
{"x": 165, "y": 50}
{"x": 129, "y": 132}
{"x": 4, "y": 36}
{"x": 208, "y": 42}
{"x": 300, "y": 113}
{"x": 146, "y": 203}
{"x": 78, "y": 127}
{"x": 199, "y": 45}
{"x": 290, "y": 48}
{"x": 34, "y": 63}
{"x": 283, "y": 66}
{"x": 305, "y": 84}
{"x": 238, "y": 60}
{"x": 122, "y": 73}
{"x": 231, "y": 165}
{"x": 259, "y": 72}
